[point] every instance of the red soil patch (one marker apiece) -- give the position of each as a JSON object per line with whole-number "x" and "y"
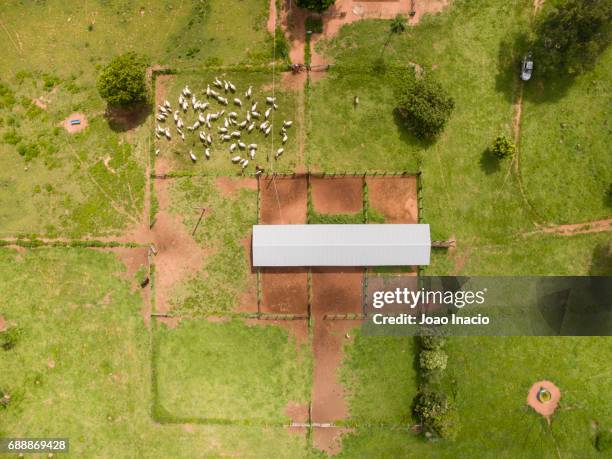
{"x": 334, "y": 292}
{"x": 283, "y": 200}
{"x": 272, "y": 17}
{"x": 248, "y": 299}
{"x": 293, "y": 81}
{"x": 337, "y": 290}
{"x": 284, "y": 290}
{"x": 178, "y": 253}
{"x": 40, "y": 103}
{"x": 3, "y": 324}
{"x": 229, "y": 186}
{"x": 298, "y": 412}
{"x": 72, "y": 129}
{"x": 170, "y": 322}
{"x": 328, "y": 394}
{"x": 394, "y": 197}
{"x": 134, "y": 259}
{"x": 545, "y": 408}
{"x": 340, "y": 195}
{"x": 329, "y": 439}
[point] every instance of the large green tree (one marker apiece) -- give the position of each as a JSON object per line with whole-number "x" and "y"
{"x": 122, "y": 82}
{"x": 315, "y": 5}
{"x": 572, "y": 35}
{"x": 425, "y": 106}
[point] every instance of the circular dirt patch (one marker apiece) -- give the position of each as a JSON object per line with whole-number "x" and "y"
{"x": 544, "y": 397}
{"x": 74, "y": 118}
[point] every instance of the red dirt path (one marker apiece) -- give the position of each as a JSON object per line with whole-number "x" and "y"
{"x": 328, "y": 394}
{"x": 282, "y": 200}
{"x": 394, "y": 197}
{"x": 329, "y": 439}
{"x": 339, "y": 195}
{"x": 337, "y": 290}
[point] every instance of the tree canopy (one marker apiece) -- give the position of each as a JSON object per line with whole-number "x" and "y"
{"x": 425, "y": 106}
{"x": 122, "y": 82}
{"x": 315, "y": 5}
{"x": 572, "y": 35}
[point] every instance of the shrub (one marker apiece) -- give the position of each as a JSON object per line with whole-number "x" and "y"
{"x": 9, "y": 338}
{"x": 503, "y": 147}
{"x": 315, "y": 5}
{"x": 432, "y": 343}
{"x": 603, "y": 441}
{"x": 29, "y": 151}
{"x": 433, "y": 360}
{"x": 430, "y": 404}
{"x": 7, "y": 97}
{"x": 425, "y": 107}
{"x": 571, "y": 37}
{"x": 11, "y": 137}
{"x": 122, "y": 82}
{"x": 436, "y": 413}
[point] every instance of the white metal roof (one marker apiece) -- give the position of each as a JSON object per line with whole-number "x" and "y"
{"x": 341, "y": 245}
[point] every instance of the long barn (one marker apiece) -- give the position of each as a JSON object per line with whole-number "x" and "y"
{"x": 341, "y": 245}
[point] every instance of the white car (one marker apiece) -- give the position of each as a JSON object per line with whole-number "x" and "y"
{"x": 527, "y": 68}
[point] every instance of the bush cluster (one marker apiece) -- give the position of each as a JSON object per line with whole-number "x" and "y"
{"x": 317, "y": 6}
{"x": 503, "y": 147}
{"x": 425, "y": 107}
{"x": 434, "y": 408}
{"x": 9, "y": 338}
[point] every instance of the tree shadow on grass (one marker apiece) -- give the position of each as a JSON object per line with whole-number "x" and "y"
{"x": 489, "y": 163}
{"x": 407, "y": 135}
{"x": 122, "y": 119}
{"x": 540, "y": 88}
{"x": 601, "y": 261}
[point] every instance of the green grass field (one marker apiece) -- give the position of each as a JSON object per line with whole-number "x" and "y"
{"x": 217, "y": 287}
{"x": 370, "y": 365}
{"x": 229, "y": 372}
{"x": 81, "y": 368}
{"x": 567, "y": 170}
{"x": 53, "y": 183}
{"x": 176, "y": 151}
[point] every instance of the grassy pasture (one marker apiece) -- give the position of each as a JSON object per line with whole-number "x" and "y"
{"x": 460, "y": 48}
{"x": 81, "y": 368}
{"x": 565, "y": 147}
{"x": 54, "y": 183}
{"x": 176, "y": 151}
{"x": 342, "y": 137}
{"x": 65, "y": 37}
{"x": 229, "y": 371}
{"x": 228, "y": 221}
{"x": 381, "y": 379}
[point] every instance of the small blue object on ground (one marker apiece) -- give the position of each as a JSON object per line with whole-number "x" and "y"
{"x": 73, "y": 122}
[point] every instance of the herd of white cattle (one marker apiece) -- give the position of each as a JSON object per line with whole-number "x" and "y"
{"x": 232, "y": 127}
